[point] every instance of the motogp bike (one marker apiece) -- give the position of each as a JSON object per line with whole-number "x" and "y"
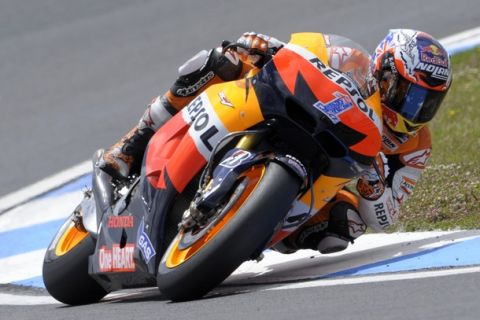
{"x": 236, "y": 171}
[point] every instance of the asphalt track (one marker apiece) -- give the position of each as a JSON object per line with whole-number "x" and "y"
{"x": 75, "y": 75}
{"x": 407, "y": 299}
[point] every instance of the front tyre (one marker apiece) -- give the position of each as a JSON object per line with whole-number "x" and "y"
{"x": 193, "y": 265}
{"x": 65, "y": 267}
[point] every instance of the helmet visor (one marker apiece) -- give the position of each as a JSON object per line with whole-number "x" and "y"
{"x": 415, "y": 103}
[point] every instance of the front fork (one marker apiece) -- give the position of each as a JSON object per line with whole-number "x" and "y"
{"x": 217, "y": 189}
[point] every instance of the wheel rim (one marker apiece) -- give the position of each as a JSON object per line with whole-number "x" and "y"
{"x": 69, "y": 239}
{"x": 176, "y": 256}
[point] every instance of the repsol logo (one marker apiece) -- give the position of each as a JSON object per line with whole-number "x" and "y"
{"x": 201, "y": 122}
{"x": 381, "y": 214}
{"x": 346, "y": 84}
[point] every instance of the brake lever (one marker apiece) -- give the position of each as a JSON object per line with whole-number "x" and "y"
{"x": 226, "y": 45}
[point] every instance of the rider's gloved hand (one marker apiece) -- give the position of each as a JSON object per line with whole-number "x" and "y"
{"x": 258, "y": 48}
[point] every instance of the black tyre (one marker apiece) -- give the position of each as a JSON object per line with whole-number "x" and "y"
{"x": 65, "y": 267}
{"x": 190, "y": 271}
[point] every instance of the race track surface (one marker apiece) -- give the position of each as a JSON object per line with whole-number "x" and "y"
{"x": 433, "y": 298}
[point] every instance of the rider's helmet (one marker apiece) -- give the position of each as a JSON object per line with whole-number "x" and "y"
{"x": 414, "y": 73}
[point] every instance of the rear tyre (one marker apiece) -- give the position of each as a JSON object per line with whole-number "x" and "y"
{"x": 190, "y": 271}
{"x": 65, "y": 267}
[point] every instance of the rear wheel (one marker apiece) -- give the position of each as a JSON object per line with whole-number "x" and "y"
{"x": 65, "y": 267}
{"x": 200, "y": 259}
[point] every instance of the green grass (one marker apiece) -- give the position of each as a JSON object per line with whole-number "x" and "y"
{"x": 448, "y": 193}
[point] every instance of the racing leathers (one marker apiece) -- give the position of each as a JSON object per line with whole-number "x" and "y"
{"x": 347, "y": 216}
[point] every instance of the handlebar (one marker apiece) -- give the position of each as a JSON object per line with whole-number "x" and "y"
{"x": 226, "y": 45}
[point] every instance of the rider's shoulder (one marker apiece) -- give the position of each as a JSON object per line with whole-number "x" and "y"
{"x": 425, "y": 134}
{"x": 394, "y": 144}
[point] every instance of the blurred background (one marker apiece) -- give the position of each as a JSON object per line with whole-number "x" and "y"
{"x": 77, "y": 75}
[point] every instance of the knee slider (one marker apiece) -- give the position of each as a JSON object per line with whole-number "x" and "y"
{"x": 332, "y": 244}
{"x": 344, "y": 226}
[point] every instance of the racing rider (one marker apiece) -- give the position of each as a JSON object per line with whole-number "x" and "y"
{"x": 413, "y": 71}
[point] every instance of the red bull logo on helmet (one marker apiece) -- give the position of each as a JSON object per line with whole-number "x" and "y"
{"x": 434, "y": 55}
{"x": 433, "y": 49}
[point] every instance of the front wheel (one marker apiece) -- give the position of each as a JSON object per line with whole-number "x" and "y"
{"x": 197, "y": 261}
{"x": 65, "y": 267}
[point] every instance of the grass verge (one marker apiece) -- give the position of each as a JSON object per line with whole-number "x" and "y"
{"x": 448, "y": 193}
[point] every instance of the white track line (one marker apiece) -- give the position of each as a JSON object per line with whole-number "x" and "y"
{"x": 22, "y": 266}
{"x": 22, "y": 300}
{"x": 377, "y": 278}
{"x": 18, "y": 299}
{"x": 463, "y": 40}
{"x": 23, "y": 195}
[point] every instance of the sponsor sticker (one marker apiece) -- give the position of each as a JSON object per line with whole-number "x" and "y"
{"x": 407, "y": 185}
{"x": 297, "y": 166}
{"x": 389, "y": 143}
{"x": 434, "y": 55}
{"x": 334, "y": 108}
{"x": 370, "y": 190}
{"x": 435, "y": 71}
{"x": 184, "y": 92}
{"x": 224, "y": 100}
{"x": 117, "y": 222}
{"x": 206, "y": 129}
{"x": 144, "y": 244}
{"x": 433, "y": 59}
{"x": 381, "y": 214}
{"x": 117, "y": 259}
{"x": 236, "y": 158}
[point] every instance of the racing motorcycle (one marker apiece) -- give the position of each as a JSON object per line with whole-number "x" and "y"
{"x": 236, "y": 171}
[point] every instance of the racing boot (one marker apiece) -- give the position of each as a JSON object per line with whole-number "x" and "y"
{"x": 125, "y": 156}
{"x": 330, "y": 230}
